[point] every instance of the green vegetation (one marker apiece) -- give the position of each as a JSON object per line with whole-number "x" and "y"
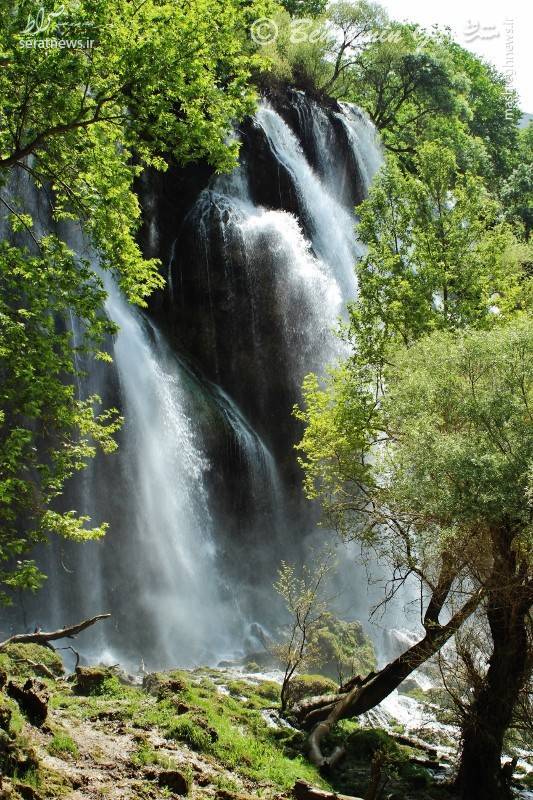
{"x": 161, "y": 727}
{"x": 303, "y": 685}
{"x": 418, "y": 445}
{"x": 235, "y": 733}
{"x": 160, "y": 81}
{"x": 62, "y": 745}
{"x": 24, "y": 660}
{"x": 344, "y": 649}
{"x": 166, "y": 82}
{"x": 403, "y": 442}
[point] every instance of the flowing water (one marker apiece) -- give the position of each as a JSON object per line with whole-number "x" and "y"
{"x": 200, "y": 505}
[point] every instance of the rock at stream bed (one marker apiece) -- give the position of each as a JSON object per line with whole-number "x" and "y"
{"x": 163, "y": 686}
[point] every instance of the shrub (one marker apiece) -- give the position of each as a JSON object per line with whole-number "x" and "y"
{"x": 362, "y": 744}
{"x": 344, "y": 649}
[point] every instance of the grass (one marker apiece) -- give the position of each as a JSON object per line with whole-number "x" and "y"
{"x": 23, "y": 660}
{"x": 62, "y": 745}
{"x": 235, "y": 733}
{"x": 228, "y": 729}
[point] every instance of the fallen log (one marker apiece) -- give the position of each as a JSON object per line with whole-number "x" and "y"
{"x": 306, "y": 791}
{"x": 44, "y": 638}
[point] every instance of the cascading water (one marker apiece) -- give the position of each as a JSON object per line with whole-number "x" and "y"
{"x": 203, "y": 497}
{"x": 170, "y": 527}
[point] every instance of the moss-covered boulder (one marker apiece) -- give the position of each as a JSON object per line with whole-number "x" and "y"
{"x": 303, "y": 686}
{"x": 32, "y": 699}
{"x": 89, "y": 681}
{"x": 344, "y": 649}
{"x": 17, "y": 756}
{"x": 164, "y": 685}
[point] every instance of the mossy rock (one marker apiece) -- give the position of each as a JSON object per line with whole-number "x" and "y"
{"x": 269, "y": 690}
{"x": 16, "y": 755}
{"x": 32, "y": 699}
{"x": 91, "y": 681}
{"x": 177, "y": 781}
{"x": 309, "y": 686}
{"x": 25, "y": 660}
{"x": 344, "y": 649}
{"x": 415, "y": 776}
{"x": 164, "y": 685}
{"x": 5, "y": 716}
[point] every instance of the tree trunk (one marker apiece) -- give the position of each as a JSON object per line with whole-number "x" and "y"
{"x": 509, "y": 602}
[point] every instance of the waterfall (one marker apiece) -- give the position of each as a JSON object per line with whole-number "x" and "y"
{"x": 330, "y": 225}
{"x": 204, "y": 496}
{"x": 170, "y": 526}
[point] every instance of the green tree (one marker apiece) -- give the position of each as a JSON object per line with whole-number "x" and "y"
{"x": 439, "y": 260}
{"x": 434, "y": 473}
{"x": 304, "y": 8}
{"x": 492, "y": 107}
{"x": 437, "y": 254}
{"x": 142, "y": 83}
{"x": 402, "y": 79}
{"x": 351, "y": 26}
{"x": 306, "y": 605}
{"x": 422, "y": 86}
{"x": 46, "y": 431}
{"x": 517, "y": 191}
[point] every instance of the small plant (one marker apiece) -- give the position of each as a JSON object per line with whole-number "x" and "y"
{"x": 185, "y": 729}
{"x": 303, "y": 596}
{"x": 62, "y": 745}
{"x": 144, "y": 755}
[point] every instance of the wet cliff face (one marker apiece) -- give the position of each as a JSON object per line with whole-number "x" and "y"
{"x": 233, "y": 303}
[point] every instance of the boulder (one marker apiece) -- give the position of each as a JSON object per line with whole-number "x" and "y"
{"x": 90, "y": 680}
{"x": 163, "y": 686}
{"x": 5, "y": 718}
